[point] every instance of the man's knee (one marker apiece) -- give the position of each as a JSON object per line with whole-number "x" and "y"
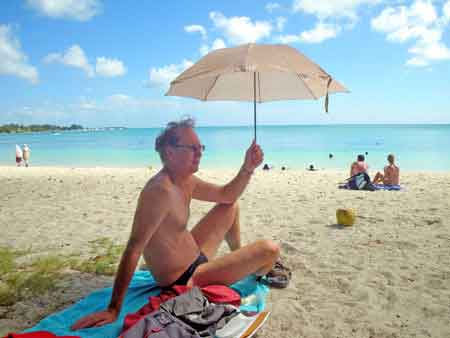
{"x": 232, "y": 208}
{"x": 269, "y": 249}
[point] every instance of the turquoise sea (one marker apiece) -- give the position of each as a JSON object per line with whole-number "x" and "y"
{"x": 417, "y": 147}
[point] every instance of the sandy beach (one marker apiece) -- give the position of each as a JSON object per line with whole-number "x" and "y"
{"x": 386, "y": 276}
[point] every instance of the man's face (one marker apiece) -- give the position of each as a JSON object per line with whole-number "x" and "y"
{"x": 187, "y": 152}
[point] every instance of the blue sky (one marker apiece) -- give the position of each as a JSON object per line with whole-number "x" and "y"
{"x": 109, "y": 63}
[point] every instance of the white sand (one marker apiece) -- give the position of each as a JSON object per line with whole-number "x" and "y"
{"x": 386, "y": 276}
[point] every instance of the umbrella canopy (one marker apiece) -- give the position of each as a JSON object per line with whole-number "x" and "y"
{"x": 258, "y": 73}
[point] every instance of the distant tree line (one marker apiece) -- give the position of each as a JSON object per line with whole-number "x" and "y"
{"x": 20, "y": 128}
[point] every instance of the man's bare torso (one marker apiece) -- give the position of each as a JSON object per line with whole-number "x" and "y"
{"x": 172, "y": 248}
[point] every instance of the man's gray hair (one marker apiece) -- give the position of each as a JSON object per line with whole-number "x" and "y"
{"x": 169, "y": 135}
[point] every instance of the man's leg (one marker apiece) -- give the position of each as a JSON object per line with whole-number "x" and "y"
{"x": 222, "y": 222}
{"x": 258, "y": 257}
{"x": 378, "y": 178}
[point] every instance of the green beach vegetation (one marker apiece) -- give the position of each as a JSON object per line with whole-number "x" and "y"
{"x": 22, "y": 276}
{"x": 20, "y": 128}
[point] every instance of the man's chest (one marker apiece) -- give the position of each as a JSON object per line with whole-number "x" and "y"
{"x": 180, "y": 208}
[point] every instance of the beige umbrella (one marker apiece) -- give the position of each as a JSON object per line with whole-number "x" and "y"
{"x": 257, "y": 73}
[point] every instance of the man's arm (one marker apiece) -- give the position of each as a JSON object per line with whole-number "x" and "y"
{"x": 231, "y": 191}
{"x": 152, "y": 208}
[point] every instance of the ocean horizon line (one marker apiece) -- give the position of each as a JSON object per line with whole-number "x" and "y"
{"x": 290, "y": 125}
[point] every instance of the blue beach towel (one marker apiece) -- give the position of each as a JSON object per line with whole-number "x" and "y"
{"x": 142, "y": 286}
{"x": 377, "y": 187}
{"x": 388, "y": 187}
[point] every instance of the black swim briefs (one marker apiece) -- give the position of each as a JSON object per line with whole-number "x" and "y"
{"x": 184, "y": 278}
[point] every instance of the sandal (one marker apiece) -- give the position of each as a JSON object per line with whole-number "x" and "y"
{"x": 279, "y": 277}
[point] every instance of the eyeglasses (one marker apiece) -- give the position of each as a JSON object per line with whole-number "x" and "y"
{"x": 192, "y": 147}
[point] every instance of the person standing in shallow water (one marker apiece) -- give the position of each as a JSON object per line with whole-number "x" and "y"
{"x": 26, "y": 154}
{"x": 160, "y": 225}
{"x": 19, "y": 155}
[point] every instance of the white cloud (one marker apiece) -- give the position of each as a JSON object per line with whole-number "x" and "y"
{"x": 217, "y": 44}
{"x": 161, "y": 77}
{"x": 319, "y": 33}
{"x": 332, "y": 17}
{"x": 403, "y": 23}
{"x": 324, "y": 9}
{"x": 88, "y": 105}
{"x": 290, "y": 38}
{"x": 116, "y": 98}
{"x": 271, "y": 6}
{"x": 12, "y": 60}
{"x": 428, "y": 50}
{"x": 196, "y": 29}
{"x": 418, "y": 23}
{"x": 241, "y": 29}
{"x": 417, "y": 62}
{"x": 280, "y": 23}
{"x": 81, "y": 10}
{"x": 446, "y": 10}
{"x": 73, "y": 57}
{"x": 109, "y": 67}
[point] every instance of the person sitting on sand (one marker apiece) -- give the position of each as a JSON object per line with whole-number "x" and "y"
{"x": 311, "y": 168}
{"x": 391, "y": 174}
{"x": 359, "y": 166}
{"x": 174, "y": 254}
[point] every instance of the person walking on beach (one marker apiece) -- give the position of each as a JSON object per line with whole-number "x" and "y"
{"x": 159, "y": 228}
{"x": 359, "y": 166}
{"x": 19, "y": 155}
{"x": 391, "y": 175}
{"x": 26, "y": 154}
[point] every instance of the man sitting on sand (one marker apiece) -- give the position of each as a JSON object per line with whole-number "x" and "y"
{"x": 391, "y": 174}
{"x": 159, "y": 232}
{"x": 359, "y": 166}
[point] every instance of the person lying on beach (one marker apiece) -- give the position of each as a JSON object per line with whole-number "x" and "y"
{"x": 391, "y": 174}
{"x": 173, "y": 254}
{"x": 359, "y": 166}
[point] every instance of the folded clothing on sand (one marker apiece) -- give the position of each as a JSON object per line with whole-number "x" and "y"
{"x": 213, "y": 293}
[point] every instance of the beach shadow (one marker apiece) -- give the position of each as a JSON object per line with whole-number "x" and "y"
{"x": 337, "y": 226}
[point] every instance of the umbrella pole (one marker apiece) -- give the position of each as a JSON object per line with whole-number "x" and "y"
{"x": 254, "y": 103}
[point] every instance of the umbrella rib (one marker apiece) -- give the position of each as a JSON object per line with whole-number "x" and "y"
{"x": 304, "y": 83}
{"x": 210, "y": 88}
{"x": 306, "y": 86}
